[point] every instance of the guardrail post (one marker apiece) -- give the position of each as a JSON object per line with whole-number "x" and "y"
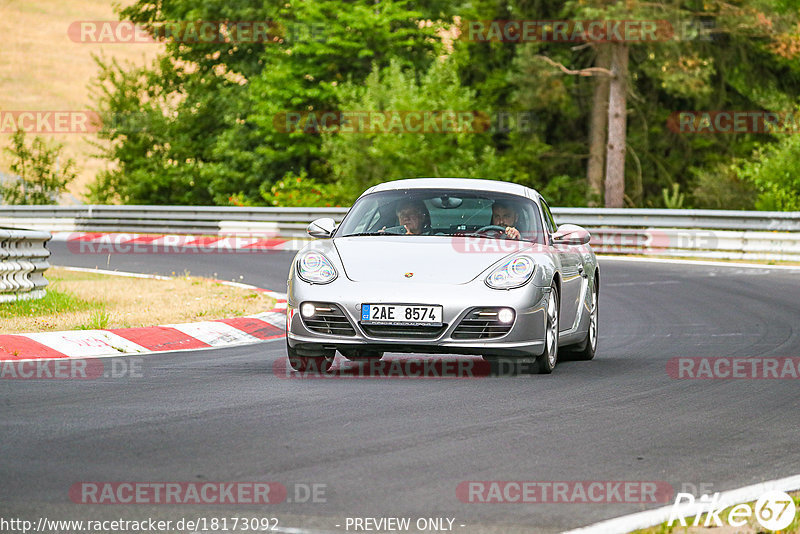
{"x": 23, "y": 261}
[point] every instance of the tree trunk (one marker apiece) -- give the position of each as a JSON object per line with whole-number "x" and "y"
{"x": 617, "y": 123}
{"x": 597, "y": 127}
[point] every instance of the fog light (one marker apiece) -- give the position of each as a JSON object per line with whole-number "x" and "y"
{"x": 307, "y": 309}
{"x": 505, "y": 315}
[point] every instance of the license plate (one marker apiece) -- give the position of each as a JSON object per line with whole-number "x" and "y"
{"x": 401, "y": 314}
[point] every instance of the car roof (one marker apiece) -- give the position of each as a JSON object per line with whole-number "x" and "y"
{"x": 456, "y": 183}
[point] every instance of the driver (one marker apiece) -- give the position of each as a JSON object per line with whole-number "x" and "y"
{"x": 504, "y": 213}
{"x": 414, "y": 216}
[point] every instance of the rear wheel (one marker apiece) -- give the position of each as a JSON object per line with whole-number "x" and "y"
{"x": 310, "y": 364}
{"x": 549, "y": 358}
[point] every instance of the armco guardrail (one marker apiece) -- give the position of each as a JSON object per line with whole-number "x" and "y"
{"x": 767, "y": 221}
{"x": 290, "y": 222}
{"x": 720, "y": 234}
{"x": 23, "y": 261}
{"x": 706, "y": 244}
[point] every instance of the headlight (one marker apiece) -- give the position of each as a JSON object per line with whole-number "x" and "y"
{"x": 513, "y": 273}
{"x": 315, "y": 268}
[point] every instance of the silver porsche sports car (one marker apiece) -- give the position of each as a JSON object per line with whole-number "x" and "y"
{"x": 443, "y": 265}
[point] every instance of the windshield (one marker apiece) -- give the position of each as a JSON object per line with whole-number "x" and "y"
{"x": 439, "y": 212}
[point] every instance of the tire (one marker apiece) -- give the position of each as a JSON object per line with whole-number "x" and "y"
{"x": 549, "y": 358}
{"x": 586, "y": 350}
{"x": 362, "y": 355}
{"x": 310, "y": 364}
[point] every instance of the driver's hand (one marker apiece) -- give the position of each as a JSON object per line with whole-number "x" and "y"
{"x": 512, "y": 232}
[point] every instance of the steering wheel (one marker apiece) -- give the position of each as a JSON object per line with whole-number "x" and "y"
{"x": 394, "y": 230}
{"x": 491, "y": 230}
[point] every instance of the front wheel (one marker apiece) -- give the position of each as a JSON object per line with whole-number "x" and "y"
{"x": 549, "y": 358}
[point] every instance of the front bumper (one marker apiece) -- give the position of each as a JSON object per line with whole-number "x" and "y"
{"x": 525, "y": 339}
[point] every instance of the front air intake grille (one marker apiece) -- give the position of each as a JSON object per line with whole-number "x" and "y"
{"x": 481, "y": 323}
{"x": 329, "y": 319}
{"x": 404, "y": 331}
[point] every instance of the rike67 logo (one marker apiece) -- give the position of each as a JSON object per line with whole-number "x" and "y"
{"x": 774, "y": 510}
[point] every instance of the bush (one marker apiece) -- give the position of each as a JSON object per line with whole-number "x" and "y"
{"x": 302, "y": 191}
{"x": 42, "y": 175}
{"x": 720, "y": 188}
{"x": 775, "y": 173}
{"x": 360, "y": 160}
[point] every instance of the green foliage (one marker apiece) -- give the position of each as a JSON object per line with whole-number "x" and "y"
{"x": 158, "y": 128}
{"x": 565, "y": 190}
{"x": 203, "y": 131}
{"x": 775, "y": 171}
{"x": 360, "y": 160}
{"x": 300, "y": 191}
{"x": 54, "y": 302}
{"x": 303, "y": 75}
{"x": 202, "y": 124}
{"x": 719, "y": 187}
{"x": 722, "y": 56}
{"x": 98, "y": 320}
{"x": 673, "y": 199}
{"x": 43, "y": 175}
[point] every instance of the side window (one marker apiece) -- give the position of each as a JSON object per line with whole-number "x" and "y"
{"x": 548, "y": 217}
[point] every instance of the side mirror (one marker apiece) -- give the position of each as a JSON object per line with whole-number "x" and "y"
{"x": 571, "y": 234}
{"x": 321, "y": 228}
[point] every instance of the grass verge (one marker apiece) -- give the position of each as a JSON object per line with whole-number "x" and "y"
{"x": 80, "y": 300}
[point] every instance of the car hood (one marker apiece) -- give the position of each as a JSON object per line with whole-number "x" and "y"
{"x": 431, "y": 259}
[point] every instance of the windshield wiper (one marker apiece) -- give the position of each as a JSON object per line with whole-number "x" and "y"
{"x": 369, "y": 233}
{"x": 475, "y": 234}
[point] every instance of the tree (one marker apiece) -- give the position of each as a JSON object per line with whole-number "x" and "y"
{"x": 201, "y": 125}
{"x": 598, "y": 127}
{"x": 197, "y": 126}
{"x": 711, "y": 58}
{"x": 42, "y": 174}
{"x": 360, "y": 160}
{"x": 617, "y": 127}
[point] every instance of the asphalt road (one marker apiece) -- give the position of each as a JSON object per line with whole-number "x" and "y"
{"x": 400, "y": 447}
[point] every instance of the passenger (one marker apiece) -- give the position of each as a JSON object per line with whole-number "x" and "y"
{"x": 505, "y": 214}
